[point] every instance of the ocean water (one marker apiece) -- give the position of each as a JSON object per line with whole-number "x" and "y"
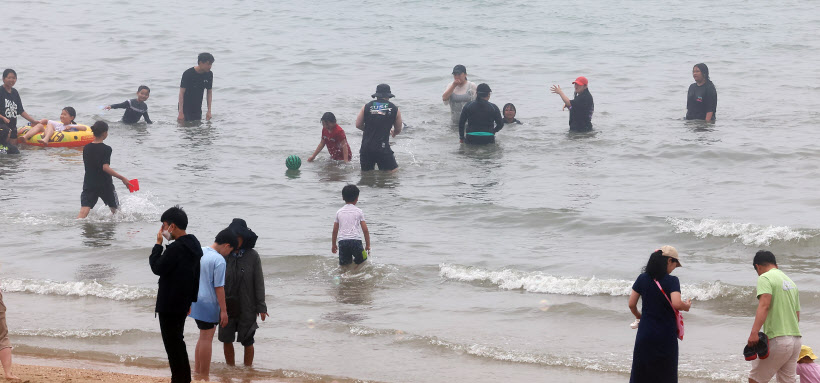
{"x": 506, "y": 263}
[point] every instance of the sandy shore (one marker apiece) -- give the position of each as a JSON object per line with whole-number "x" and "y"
{"x": 40, "y": 370}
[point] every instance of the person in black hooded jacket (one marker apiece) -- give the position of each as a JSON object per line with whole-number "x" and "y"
{"x": 178, "y": 270}
{"x": 244, "y": 294}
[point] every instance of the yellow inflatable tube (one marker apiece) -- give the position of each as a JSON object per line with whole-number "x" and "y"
{"x": 64, "y": 139}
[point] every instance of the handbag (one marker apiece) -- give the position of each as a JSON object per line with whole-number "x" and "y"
{"x": 678, "y": 316}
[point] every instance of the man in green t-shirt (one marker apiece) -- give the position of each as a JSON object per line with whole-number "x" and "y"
{"x": 778, "y": 313}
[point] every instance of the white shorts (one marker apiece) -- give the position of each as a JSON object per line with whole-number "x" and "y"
{"x": 782, "y": 360}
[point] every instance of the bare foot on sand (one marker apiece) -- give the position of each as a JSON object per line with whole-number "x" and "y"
{"x": 11, "y": 377}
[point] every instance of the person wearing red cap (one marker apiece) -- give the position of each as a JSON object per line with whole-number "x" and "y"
{"x": 581, "y": 107}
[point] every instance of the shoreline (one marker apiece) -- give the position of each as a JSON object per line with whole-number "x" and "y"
{"x": 34, "y": 369}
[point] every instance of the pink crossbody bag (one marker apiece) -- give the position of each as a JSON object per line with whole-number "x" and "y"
{"x": 678, "y": 316}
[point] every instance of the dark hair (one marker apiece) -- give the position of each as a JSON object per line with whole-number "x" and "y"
{"x": 350, "y": 193}
{"x": 176, "y": 216}
{"x": 227, "y": 236}
{"x": 509, "y": 104}
{"x": 656, "y": 267}
{"x": 71, "y": 112}
{"x": 329, "y": 117}
{"x": 99, "y": 128}
{"x": 705, "y": 70}
{"x": 205, "y": 57}
{"x": 7, "y": 72}
{"x": 143, "y": 87}
{"x": 763, "y": 258}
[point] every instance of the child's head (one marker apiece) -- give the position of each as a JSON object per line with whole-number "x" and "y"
{"x": 9, "y": 77}
{"x": 509, "y": 110}
{"x": 100, "y": 129}
{"x": 806, "y": 355}
{"x": 350, "y": 193}
{"x": 174, "y": 216}
{"x": 67, "y": 115}
{"x": 328, "y": 120}
{"x": 226, "y": 242}
{"x": 143, "y": 93}
{"x": 205, "y": 61}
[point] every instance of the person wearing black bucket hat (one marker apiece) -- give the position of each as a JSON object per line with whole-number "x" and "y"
{"x": 244, "y": 294}
{"x": 478, "y": 118}
{"x": 378, "y": 120}
{"x": 459, "y": 92}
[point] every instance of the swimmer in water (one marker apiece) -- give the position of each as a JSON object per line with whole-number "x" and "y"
{"x": 509, "y": 114}
{"x": 135, "y": 108}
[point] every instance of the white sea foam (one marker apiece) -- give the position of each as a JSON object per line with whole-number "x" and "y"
{"x": 82, "y": 289}
{"x": 747, "y": 233}
{"x": 58, "y": 333}
{"x": 538, "y": 282}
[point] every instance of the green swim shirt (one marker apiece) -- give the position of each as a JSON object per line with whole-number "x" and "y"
{"x": 782, "y": 318}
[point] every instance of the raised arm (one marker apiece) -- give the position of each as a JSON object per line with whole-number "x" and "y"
{"x": 448, "y": 92}
{"x": 557, "y": 90}
{"x": 121, "y": 105}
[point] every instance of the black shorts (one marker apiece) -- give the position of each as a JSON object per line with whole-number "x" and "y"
{"x": 204, "y": 325}
{"x": 351, "y": 250}
{"x": 386, "y": 160}
{"x": 479, "y": 140}
{"x": 89, "y": 197}
{"x": 232, "y": 333}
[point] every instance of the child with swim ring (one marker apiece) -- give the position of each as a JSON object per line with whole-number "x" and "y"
{"x": 49, "y": 127}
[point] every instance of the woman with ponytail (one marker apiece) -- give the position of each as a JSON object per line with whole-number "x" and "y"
{"x": 655, "y": 358}
{"x": 701, "y": 100}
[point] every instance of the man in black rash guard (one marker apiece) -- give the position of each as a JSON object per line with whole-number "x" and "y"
{"x": 378, "y": 120}
{"x": 581, "y": 107}
{"x": 479, "y": 117}
{"x": 135, "y": 108}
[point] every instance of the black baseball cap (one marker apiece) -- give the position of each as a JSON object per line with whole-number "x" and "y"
{"x": 459, "y": 69}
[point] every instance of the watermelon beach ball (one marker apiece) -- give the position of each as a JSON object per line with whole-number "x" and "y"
{"x": 293, "y": 162}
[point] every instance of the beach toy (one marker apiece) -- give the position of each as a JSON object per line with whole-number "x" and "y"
{"x": 480, "y": 134}
{"x": 760, "y": 350}
{"x": 364, "y": 255}
{"x": 134, "y": 185}
{"x": 293, "y": 162}
{"x": 65, "y": 139}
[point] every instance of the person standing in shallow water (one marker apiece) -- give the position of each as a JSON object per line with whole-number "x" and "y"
{"x": 378, "y": 120}
{"x": 701, "y": 100}
{"x": 655, "y": 357}
{"x": 178, "y": 271}
{"x": 244, "y": 294}
{"x": 11, "y": 106}
{"x": 480, "y": 116}
{"x": 581, "y": 107}
{"x": 194, "y": 82}
{"x": 459, "y": 92}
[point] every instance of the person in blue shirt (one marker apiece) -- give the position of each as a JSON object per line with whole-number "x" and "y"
{"x": 209, "y": 308}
